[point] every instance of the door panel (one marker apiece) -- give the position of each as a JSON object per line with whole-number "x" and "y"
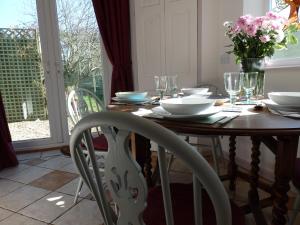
{"x": 181, "y": 40}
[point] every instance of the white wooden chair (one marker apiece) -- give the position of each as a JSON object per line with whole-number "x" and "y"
{"x": 82, "y": 102}
{"x": 166, "y": 204}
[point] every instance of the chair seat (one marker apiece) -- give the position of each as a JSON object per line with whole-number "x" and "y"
{"x": 183, "y": 210}
{"x": 100, "y": 143}
{"x": 296, "y": 178}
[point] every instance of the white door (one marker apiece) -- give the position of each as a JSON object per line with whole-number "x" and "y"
{"x": 150, "y": 42}
{"x": 166, "y": 41}
{"x": 181, "y": 40}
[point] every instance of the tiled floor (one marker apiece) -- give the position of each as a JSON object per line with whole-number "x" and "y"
{"x": 41, "y": 191}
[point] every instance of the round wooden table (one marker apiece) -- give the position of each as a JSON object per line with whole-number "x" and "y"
{"x": 280, "y": 134}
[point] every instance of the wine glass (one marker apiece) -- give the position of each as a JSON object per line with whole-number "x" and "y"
{"x": 172, "y": 85}
{"x": 249, "y": 83}
{"x": 160, "y": 85}
{"x": 233, "y": 83}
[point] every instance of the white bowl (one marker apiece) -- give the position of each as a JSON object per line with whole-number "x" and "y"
{"x": 285, "y": 98}
{"x": 132, "y": 95}
{"x": 186, "y": 106}
{"x": 191, "y": 91}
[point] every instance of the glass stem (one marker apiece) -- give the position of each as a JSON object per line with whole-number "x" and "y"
{"x": 232, "y": 98}
{"x": 161, "y": 95}
{"x": 248, "y": 95}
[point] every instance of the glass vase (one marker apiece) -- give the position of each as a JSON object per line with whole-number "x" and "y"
{"x": 255, "y": 65}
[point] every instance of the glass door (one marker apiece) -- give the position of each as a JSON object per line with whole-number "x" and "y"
{"x": 29, "y": 74}
{"x": 81, "y": 49}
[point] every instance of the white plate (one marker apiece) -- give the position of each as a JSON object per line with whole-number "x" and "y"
{"x": 285, "y": 98}
{"x": 132, "y": 101}
{"x": 206, "y": 113}
{"x": 132, "y": 95}
{"x": 288, "y": 108}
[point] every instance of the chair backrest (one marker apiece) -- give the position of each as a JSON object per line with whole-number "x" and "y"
{"x": 124, "y": 176}
{"x": 82, "y": 102}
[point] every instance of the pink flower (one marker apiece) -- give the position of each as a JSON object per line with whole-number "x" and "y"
{"x": 243, "y": 21}
{"x": 272, "y": 15}
{"x": 264, "y": 38}
{"x": 258, "y": 21}
{"x": 251, "y": 29}
{"x": 276, "y": 25}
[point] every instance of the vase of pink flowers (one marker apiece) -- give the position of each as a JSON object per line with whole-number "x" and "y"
{"x": 254, "y": 38}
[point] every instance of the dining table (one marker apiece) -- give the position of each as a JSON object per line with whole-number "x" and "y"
{"x": 279, "y": 133}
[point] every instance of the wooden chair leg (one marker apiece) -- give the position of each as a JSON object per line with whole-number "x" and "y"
{"x": 79, "y": 187}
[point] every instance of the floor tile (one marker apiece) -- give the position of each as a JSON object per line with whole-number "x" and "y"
{"x": 49, "y": 207}
{"x": 51, "y": 153}
{"x": 7, "y": 186}
{"x": 31, "y": 155}
{"x": 71, "y": 188}
{"x": 86, "y": 212}
{"x": 13, "y": 171}
{"x": 70, "y": 168}
{"x": 34, "y": 162}
{"x": 56, "y": 163}
{"x": 17, "y": 219}
{"x": 22, "y": 197}
{"x": 4, "y": 213}
{"x": 53, "y": 180}
{"x": 30, "y": 174}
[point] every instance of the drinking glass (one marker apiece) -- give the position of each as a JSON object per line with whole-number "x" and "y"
{"x": 249, "y": 84}
{"x": 233, "y": 84}
{"x": 160, "y": 85}
{"x": 172, "y": 85}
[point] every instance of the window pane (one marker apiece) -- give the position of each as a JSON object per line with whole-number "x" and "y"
{"x": 22, "y": 80}
{"x": 293, "y": 51}
{"x": 80, "y": 46}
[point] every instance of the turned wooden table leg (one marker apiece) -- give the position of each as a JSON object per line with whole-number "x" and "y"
{"x": 143, "y": 156}
{"x": 253, "y": 196}
{"x": 284, "y": 168}
{"x": 232, "y": 167}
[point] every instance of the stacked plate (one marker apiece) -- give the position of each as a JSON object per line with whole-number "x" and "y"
{"x": 186, "y": 107}
{"x": 133, "y": 97}
{"x": 284, "y": 103}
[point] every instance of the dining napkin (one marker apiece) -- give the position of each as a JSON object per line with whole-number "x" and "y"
{"x": 295, "y": 115}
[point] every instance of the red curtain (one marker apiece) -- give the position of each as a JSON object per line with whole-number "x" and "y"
{"x": 7, "y": 154}
{"x": 113, "y": 19}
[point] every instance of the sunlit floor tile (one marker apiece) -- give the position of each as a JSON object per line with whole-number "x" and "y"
{"x": 17, "y": 219}
{"x": 86, "y": 212}
{"x": 71, "y": 187}
{"x": 4, "y": 213}
{"x": 21, "y": 198}
{"x": 49, "y": 207}
{"x": 7, "y": 186}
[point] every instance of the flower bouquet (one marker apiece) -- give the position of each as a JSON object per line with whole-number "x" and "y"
{"x": 254, "y": 38}
{"x": 258, "y": 37}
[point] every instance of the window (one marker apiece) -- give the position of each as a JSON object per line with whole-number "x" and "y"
{"x": 291, "y": 56}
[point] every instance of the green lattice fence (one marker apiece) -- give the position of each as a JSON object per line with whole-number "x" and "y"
{"x": 21, "y": 75}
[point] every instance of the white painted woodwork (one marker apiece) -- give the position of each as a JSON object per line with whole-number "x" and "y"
{"x": 181, "y": 40}
{"x": 166, "y": 41}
